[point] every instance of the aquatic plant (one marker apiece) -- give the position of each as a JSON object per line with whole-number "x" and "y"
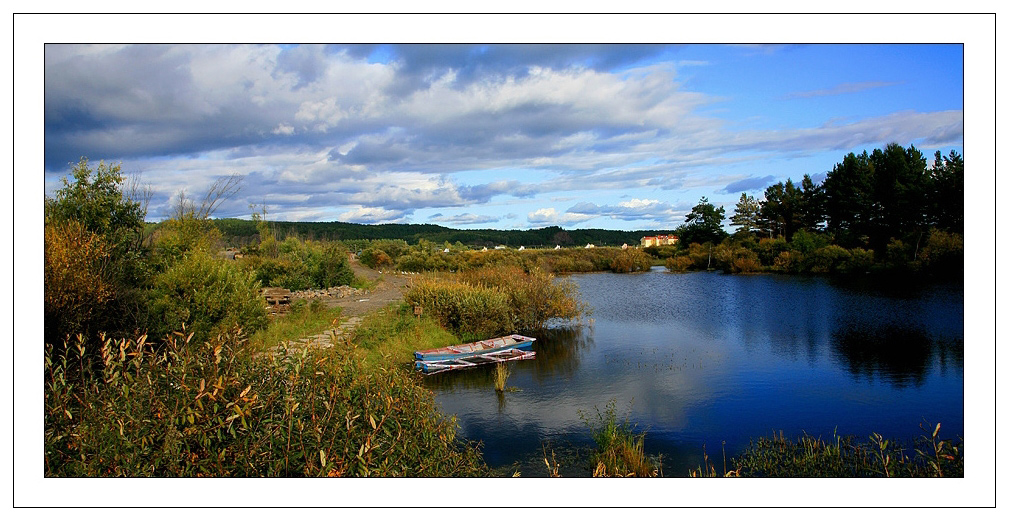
{"x": 501, "y": 374}
{"x": 620, "y": 452}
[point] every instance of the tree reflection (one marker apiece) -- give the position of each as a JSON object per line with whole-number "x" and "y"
{"x": 898, "y": 355}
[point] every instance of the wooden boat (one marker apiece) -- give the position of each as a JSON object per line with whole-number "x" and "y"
{"x": 475, "y": 348}
{"x": 465, "y": 362}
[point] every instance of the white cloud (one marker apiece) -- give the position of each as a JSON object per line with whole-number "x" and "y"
{"x": 373, "y": 215}
{"x": 463, "y": 219}
{"x": 549, "y": 216}
{"x": 310, "y": 125}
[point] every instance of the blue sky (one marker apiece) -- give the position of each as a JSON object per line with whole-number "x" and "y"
{"x": 491, "y": 136}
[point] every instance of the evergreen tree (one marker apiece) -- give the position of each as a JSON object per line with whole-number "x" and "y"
{"x": 946, "y": 194}
{"x": 746, "y": 217}
{"x": 703, "y": 224}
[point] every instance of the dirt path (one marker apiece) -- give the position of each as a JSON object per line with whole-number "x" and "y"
{"x": 390, "y": 288}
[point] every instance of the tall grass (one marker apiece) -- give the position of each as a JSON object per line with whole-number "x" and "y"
{"x": 495, "y": 300}
{"x": 846, "y": 456}
{"x": 501, "y": 374}
{"x": 390, "y": 336}
{"x": 619, "y": 451}
{"x": 215, "y": 410}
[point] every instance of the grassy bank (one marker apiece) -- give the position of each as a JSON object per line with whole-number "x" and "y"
{"x": 846, "y": 456}
{"x": 217, "y": 410}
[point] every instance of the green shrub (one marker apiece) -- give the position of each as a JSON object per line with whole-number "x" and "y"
{"x": 701, "y": 255}
{"x": 461, "y": 308}
{"x": 898, "y": 254}
{"x": 631, "y": 260}
{"x": 78, "y": 284}
{"x": 733, "y": 258}
{"x": 768, "y": 250}
{"x": 302, "y": 265}
{"x": 859, "y": 262}
{"x": 805, "y": 242}
{"x": 375, "y": 258}
{"x": 94, "y": 258}
{"x": 943, "y": 253}
{"x": 829, "y": 259}
{"x": 206, "y": 294}
{"x": 174, "y": 239}
{"x": 535, "y": 297}
{"x": 789, "y": 261}
{"x": 681, "y": 263}
{"x": 329, "y": 265}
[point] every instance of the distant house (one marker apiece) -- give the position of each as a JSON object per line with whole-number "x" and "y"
{"x": 589, "y": 246}
{"x": 557, "y": 247}
{"x": 484, "y": 248}
{"x": 521, "y": 248}
{"x": 500, "y": 247}
{"x": 624, "y": 247}
{"x": 659, "y": 240}
{"x": 446, "y": 250}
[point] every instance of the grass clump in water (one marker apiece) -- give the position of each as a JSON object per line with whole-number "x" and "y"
{"x": 620, "y": 452}
{"x": 501, "y": 374}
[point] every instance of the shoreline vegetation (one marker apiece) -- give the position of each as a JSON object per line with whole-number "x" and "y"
{"x": 161, "y": 358}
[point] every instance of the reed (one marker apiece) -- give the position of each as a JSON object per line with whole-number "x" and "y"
{"x": 619, "y": 451}
{"x": 501, "y": 374}
{"x": 847, "y": 456}
{"x": 215, "y": 409}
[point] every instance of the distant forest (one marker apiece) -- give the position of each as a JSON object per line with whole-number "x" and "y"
{"x": 241, "y": 232}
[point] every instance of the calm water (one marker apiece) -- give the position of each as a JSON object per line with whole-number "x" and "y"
{"x": 702, "y": 358}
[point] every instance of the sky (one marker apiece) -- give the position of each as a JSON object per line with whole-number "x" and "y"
{"x": 506, "y": 136}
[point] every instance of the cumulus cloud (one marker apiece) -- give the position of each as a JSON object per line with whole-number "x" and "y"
{"x": 374, "y": 215}
{"x": 374, "y": 132}
{"x": 549, "y": 216}
{"x": 633, "y": 210}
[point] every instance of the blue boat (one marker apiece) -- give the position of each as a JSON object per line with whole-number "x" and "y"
{"x": 482, "y": 347}
{"x": 506, "y": 355}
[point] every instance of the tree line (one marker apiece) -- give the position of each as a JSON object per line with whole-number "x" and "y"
{"x": 866, "y": 201}
{"x": 240, "y": 231}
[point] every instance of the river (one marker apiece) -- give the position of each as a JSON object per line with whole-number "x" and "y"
{"x": 700, "y": 359}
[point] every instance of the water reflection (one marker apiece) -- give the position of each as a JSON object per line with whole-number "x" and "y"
{"x": 704, "y": 358}
{"x": 557, "y": 355}
{"x": 901, "y": 356}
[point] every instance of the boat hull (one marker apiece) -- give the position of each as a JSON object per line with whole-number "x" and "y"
{"x": 483, "y": 347}
{"x": 505, "y": 355}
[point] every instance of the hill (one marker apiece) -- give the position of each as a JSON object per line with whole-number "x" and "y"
{"x": 241, "y": 231}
